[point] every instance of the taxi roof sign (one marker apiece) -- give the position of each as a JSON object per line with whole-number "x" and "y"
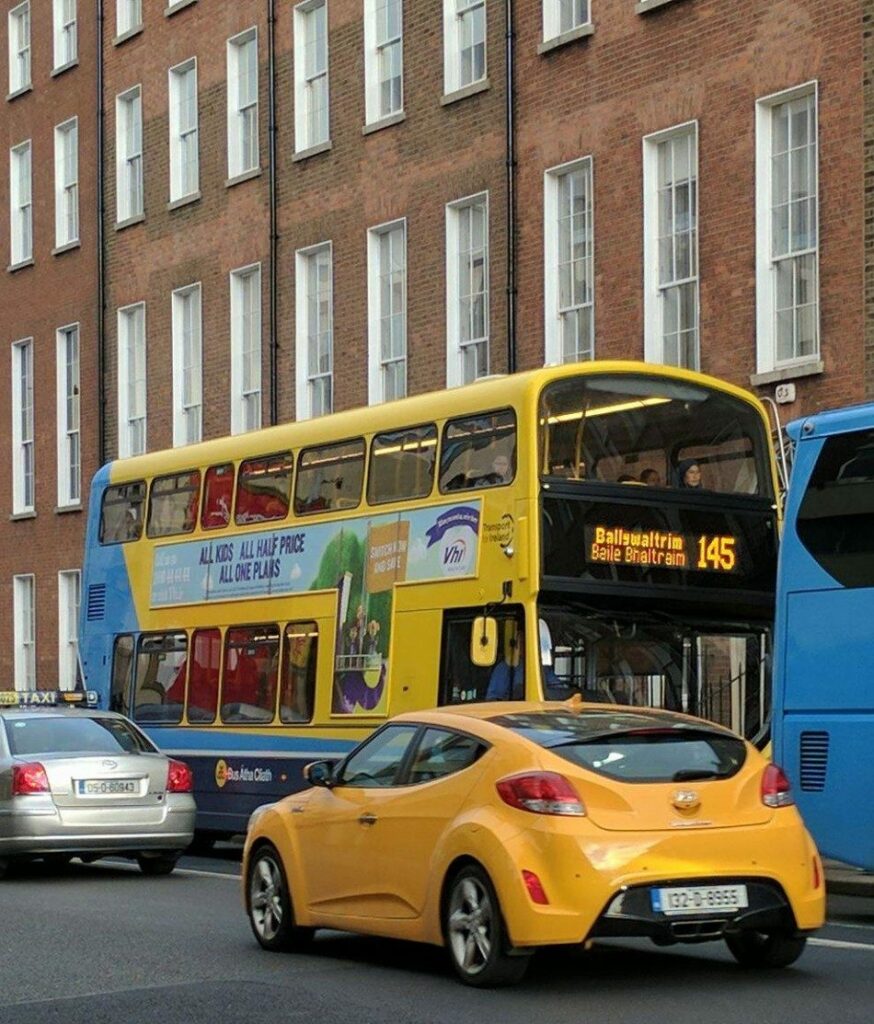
{"x": 47, "y": 698}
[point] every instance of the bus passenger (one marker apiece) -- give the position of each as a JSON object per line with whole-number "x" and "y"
{"x": 689, "y": 474}
{"x": 507, "y": 681}
{"x": 651, "y": 478}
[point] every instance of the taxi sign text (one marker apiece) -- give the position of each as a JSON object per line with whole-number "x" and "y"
{"x": 661, "y": 549}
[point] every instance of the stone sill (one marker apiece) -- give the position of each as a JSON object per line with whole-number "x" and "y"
{"x": 62, "y": 510}
{"x": 74, "y": 63}
{"x": 180, "y": 5}
{"x": 20, "y": 92}
{"x": 305, "y": 154}
{"x": 468, "y": 90}
{"x": 67, "y": 247}
{"x": 17, "y": 517}
{"x": 643, "y": 6}
{"x": 129, "y": 34}
{"x": 238, "y": 179}
{"x": 384, "y": 122}
{"x": 580, "y": 32}
{"x": 193, "y": 197}
{"x": 12, "y": 268}
{"x": 137, "y": 218}
{"x": 806, "y": 369}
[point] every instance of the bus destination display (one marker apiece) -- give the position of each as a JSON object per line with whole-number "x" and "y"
{"x": 661, "y": 549}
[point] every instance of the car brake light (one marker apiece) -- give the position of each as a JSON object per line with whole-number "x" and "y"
{"x": 776, "y": 789}
{"x": 541, "y": 793}
{"x": 534, "y": 887}
{"x": 179, "y": 777}
{"x": 29, "y": 778}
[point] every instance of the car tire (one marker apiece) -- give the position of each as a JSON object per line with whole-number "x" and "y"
{"x": 269, "y": 904}
{"x": 475, "y": 933}
{"x": 765, "y": 949}
{"x": 157, "y": 866}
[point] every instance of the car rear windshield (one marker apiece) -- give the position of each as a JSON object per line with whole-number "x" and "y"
{"x": 55, "y": 735}
{"x": 633, "y": 747}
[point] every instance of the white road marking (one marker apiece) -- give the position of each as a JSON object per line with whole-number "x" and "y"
{"x": 839, "y": 944}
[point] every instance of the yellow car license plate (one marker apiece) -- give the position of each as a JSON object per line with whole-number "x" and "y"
{"x": 700, "y": 899}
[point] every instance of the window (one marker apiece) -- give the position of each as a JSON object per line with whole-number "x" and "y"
{"x": 67, "y": 182}
{"x": 787, "y": 238}
{"x": 128, "y": 15}
{"x": 297, "y": 690}
{"x": 24, "y": 618}
{"x": 387, "y": 308}
{"x": 120, "y": 683}
{"x": 440, "y": 753}
{"x": 402, "y": 464}
{"x": 315, "y": 332}
{"x": 19, "y": 47}
{"x": 159, "y": 691}
{"x": 478, "y": 451}
{"x": 184, "y": 157}
{"x": 21, "y": 203}
{"x": 243, "y": 153}
{"x": 187, "y": 366}
{"x": 378, "y": 761}
{"x": 569, "y": 280}
{"x": 670, "y": 201}
{"x": 250, "y": 675}
{"x": 246, "y": 349}
{"x": 264, "y": 489}
{"x": 462, "y": 682}
{"x": 173, "y": 504}
{"x": 132, "y": 380}
{"x": 560, "y": 16}
{"x": 329, "y": 478}
{"x": 383, "y": 58}
{"x": 467, "y": 290}
{"x": 203, "y": 675}
{"x": 464, "y": 43}
{"x": 121, "y": 517}
{"x": 69, "y": 440}
{"x": 66, "y": 48}
{"x": 218, "y": 496}
{"x": 22, "y": 427}
{"x": 129, "y": 155}
{"x": 69, "y": 595}
{"x": 311, "y": 127}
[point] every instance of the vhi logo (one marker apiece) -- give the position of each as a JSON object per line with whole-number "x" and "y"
{"x": 457, "y": 556}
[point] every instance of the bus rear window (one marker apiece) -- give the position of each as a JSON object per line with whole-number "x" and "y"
{"x": 402, "y": 465}
{"x": 121, "y": 517}
{"x": 173, "y": 504}
{"x": 218, "y": 496}
{"x": 330, "y": 477}
{"x": 263, "y": 489}
{"x": 478, "y": 451}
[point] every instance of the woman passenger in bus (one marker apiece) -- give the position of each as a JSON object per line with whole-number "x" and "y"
{"x": 689, "y": 474}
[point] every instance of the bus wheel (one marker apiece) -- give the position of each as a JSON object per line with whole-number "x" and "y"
{"x": 268, "y": 903}
{"x": 765, "y": 949}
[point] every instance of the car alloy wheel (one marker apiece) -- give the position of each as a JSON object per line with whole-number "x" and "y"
{"x": 268, "y": 901}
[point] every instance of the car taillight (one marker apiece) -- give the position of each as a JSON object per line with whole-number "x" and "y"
{"x": 179, "y": 778}
{"x": 541, "y": 793}
{"x": 776, "y": 789}
{"x": 29, "y": 778}
{"x": 534, "y": 887}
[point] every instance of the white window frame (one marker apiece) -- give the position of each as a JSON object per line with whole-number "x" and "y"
{"x": 187, "y": 364}
{"x": 552, "y": 257}
{"x": 454, "y": 13}
{"x": 304, "y": 89}
{"x": 67, "y": 183}
{"x": 65, "y": 26}
{"x": 653, "y": 289}
{"x": 305, "y": 378}
{"x": 23, "y": 433}
{"x": 555, "y": 10}
{"x": 242, "y": 109}
{"x": 24, "y": 630}
{"x": 245, "y": 350}
{"x": 454, "y": 283}
{"x": 129, "y": 176}
{"x": 376, "y": 315}
{"x": 379, "y": 46}
{"x": 128, "y": 16}
{"x": 20, "y": 30}
{"x": 766, "y": 276}
{"x": 69, "y": 603}
{"x": 184, "y": 134}
{"x": 69, "y": 440}
{"x": 131, "y": 405}
{"x": 21, "y": 203}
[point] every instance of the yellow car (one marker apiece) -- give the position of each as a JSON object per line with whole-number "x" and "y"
{"x": 495, "y": 829}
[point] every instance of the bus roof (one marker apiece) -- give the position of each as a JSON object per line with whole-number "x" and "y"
{"x": 832, "y": 421}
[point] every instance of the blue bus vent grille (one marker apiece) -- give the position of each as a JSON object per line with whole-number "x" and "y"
{"x": 814, "y": 761}
{"x": 96, "y": 602}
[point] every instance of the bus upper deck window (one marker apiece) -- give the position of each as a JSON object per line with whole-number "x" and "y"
{"x": 121, "y": 518}
{"x": 330, "y": 477}
{"x": 218, "y": 497}
{"x": 479, "y": 451}
{"x": 402, "y": 464}
{"x": 173, "y": 504}
{"x": 263, "y": 489}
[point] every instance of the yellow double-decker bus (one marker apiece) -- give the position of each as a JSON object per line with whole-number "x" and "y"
{"x": 262, "y": 600}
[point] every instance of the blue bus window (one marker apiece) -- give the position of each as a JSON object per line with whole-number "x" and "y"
{"x": 121, "y": 515}
{"x": 173, "y": 504}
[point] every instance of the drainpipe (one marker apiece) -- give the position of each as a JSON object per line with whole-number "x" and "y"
{"x": 274, "y": 235}
{"x": 101, "y": 256}
{"x": 511, "y": 184}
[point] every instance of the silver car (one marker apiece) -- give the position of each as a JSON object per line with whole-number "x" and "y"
{"x": 76, "y": 782}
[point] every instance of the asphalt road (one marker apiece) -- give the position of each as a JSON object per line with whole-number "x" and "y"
{"x": 102, "y": 944}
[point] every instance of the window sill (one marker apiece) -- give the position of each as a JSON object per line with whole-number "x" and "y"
{"x": 129, "y": 222}
{"x": 580, "y": 32}
{"x": 305, "y": 154}
{"x": 175, "y": 8}
{"x": 238, "y": 179}
{"x": 62, "y": 510}
{"x": 384, "y": 122}
{"x": 74, "y": 63}
{"x": 129, "y": 34}
{"x": 468, "y": 90}
{"x": 806, "y": 369}
{"x": 175, "y": 204}
{"x": 67, "y": 247}
{"x": 18, "y": 516}
{"x": 12, "y": 268}
{"x": 643, "y": 6}
{"x": 19, "y": 92}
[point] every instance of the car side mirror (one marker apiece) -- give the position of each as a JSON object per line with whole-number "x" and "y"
{"x": 484, "y": 641}
{"x": 320, "y": 773}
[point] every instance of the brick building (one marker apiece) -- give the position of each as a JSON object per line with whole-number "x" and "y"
{"x": 311, "y": 206}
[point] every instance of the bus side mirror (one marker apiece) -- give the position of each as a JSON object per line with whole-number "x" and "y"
{"x": 320, "y": 773}
{"x": 484, "y": 641}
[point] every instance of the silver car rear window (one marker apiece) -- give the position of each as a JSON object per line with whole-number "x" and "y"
{"x": 73, "y": 735}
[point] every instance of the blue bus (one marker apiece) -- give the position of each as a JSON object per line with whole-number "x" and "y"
{"x": 823, "y": 701}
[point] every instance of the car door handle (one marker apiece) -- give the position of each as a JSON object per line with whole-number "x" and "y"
{"x": 367, "y": 819}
